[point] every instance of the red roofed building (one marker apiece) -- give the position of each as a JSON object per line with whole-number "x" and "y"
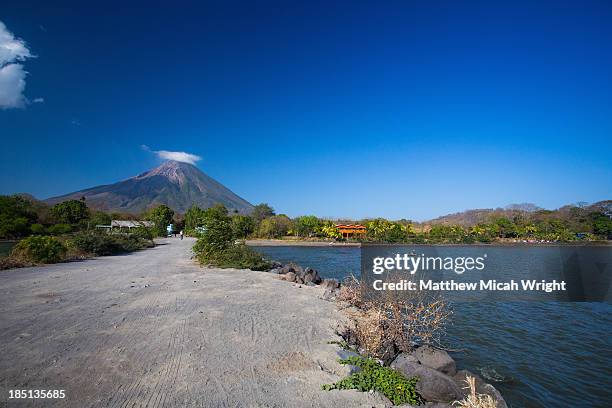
{"x": 351, "y": 230}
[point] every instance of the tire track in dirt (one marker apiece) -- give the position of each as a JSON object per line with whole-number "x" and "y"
{"x": 185, "y": 336}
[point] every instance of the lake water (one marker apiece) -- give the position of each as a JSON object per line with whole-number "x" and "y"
{"x": 5, "y": 248}
{"x": 537, "y": 353}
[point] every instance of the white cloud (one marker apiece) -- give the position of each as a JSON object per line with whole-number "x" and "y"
{"x": 12, "y": 84}
{"x": 12, "y": 74}
{"x": 176, "y": 156}
{"x": 38, "y": 100}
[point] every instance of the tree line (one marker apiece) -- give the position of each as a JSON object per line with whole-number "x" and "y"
{"x": 21, "y": 217}
{"x": 568, "y": 224}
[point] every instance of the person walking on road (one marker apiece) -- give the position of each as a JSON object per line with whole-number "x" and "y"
{"x": 182, "y": 235}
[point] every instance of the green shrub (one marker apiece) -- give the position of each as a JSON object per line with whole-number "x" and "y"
{"x": 102, "y": 244}
{"x": 16, "y": 216}
{"x": 144, "y": 233}
{"x": 39, "y": 250}
{"x": 237, "y": 256}
{"x": 59, "y": 229}
{"x": 374, "y": 376}
{"x": 38, "y": 229}
{"x": 216, "y": 246}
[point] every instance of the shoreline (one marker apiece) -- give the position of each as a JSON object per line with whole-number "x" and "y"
{"x": 301, "y": 243}
{"x": 281, "y": 242}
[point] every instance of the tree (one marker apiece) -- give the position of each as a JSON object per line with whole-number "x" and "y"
{"x": 243, "y": 226}
{"x": 602, "y": 224}
{"x": 275, "y": 226}
{"x": 329, "y": 230}
{"x": 506, "y": 227}
{"x": 100, "y": 218}
{"x": 306, "y": 225}
{"x": 382, "y": 230}
{"x": 194, "y": 217}
{"x": 70, "y": 212}
{"x": 218, "y": 234}
{"x": 16, "y": 216}
{"x": 161, "y": 217}
{"x": 261, "y": 212}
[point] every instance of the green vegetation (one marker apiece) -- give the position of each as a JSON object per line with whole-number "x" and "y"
{"x": 22, "y": 216}
{"x": 381, "y": 230}
{"x": 70, "y": 212}
{"x": 216, "y": 244}
{"x": 243, "y": 226}
{"x": 99, "y": 218}
{"x": 39, "y": 250}
{"x": 374, "y": 376}
{"x": 16, "y": 216}
{"x": 571, "y": 223}
{"x": 101, "y": 244}
{"x": 307, "y": 226}
{"x": 276, "y": 226}
{"x": 59, "y": 229}
{"x": 261, "y": 212}
{"x": 162, "y": 217}
{"x": 64, "y": 231}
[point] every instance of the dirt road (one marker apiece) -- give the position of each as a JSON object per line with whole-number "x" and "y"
{"x": 153, "y": 329}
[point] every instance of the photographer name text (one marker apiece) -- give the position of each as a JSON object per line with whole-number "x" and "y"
{"x": 490, "y": 285}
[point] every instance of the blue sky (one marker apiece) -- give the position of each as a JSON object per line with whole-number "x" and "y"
{"x": 407, "y": 110}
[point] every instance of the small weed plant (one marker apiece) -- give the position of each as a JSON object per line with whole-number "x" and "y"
{"x": 376, "y": 377}
{"x": 474, "y": 399}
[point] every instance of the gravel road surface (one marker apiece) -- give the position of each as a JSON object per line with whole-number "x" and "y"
{"x": 154, "y": 329}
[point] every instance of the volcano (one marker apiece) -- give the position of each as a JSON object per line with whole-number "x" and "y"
{"x": 175, "y": 184}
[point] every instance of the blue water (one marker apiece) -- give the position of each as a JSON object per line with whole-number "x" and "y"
{"x": 5, "y": 247}
{"x": 538, "y": 354}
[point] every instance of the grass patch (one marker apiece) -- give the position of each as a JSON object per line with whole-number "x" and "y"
{"x": 374, "y": 376}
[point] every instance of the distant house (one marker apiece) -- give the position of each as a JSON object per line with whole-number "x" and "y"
{"x": 131, "y": 224}
{"x": 351, "y": 230}
{"x": 122, "y": 225}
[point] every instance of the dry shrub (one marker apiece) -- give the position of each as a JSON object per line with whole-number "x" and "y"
{"x": 392, "y": 323}
{"x": 351, "y": 292}
{"x": 475, "y": 400}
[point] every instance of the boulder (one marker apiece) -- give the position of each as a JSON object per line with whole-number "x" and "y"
{"x": 330, "y": 283}
{"x": 433, "y": 385}
{"x": 436, "y": 359}
{"x": 290, "y": 276}
{"x": 405, "y": 358}
{"x": 311, "y": 275}
{"x": 460, "y": 379}
{"x": 492, "y": 391}
{"x": 291, "y": 267}
{"x": 299, "y": 279}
